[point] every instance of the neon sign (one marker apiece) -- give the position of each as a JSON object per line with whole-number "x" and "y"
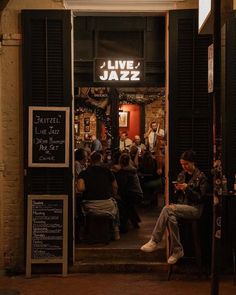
{"x": 118, "y": 70}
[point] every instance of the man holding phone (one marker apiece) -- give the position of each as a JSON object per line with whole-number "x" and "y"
{"x": 191, "y": 186}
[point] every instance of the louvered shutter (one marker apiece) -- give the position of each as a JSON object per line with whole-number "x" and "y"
{"x": 190, "y": 107}
{"x": 229, "y": 117}
{"x": 47, "y": 81}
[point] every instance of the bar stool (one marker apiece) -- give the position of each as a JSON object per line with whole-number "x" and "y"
{"x": 98, "y": 228}
{"x": 187, "y": 228}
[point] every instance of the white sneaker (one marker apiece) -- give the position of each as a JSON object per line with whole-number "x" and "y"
{"x": 175, "y": 257}
{"x": 150, "y": 246}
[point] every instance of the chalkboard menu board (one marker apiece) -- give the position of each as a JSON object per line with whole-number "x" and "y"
{"x": 48, "y": 137}
{"x": 47, "y": 230}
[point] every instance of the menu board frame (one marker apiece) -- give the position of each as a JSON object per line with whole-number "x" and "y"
{"x": 31, "y": 163}
{"x": 46, "y": 260}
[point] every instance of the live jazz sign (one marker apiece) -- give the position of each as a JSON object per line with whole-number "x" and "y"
{"x": 118, "y": 70}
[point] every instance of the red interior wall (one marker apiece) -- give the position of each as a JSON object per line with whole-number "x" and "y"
{"x": 134, "y": 120}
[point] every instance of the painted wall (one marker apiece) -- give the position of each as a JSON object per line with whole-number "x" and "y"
{"x": 133, "y": 120}
{"x": 143, "y": 6}
{"x": 189, "y": 4}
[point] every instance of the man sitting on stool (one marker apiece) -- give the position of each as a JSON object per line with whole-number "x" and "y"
{"x": 125, "y": 142}
{"x": 99, "y": 186}
{"x": 190, "y": 187}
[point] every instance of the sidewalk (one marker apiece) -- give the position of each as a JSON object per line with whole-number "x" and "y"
{"x": 109, "y": 284}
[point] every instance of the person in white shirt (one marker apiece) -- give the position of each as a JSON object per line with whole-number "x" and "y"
{"x": 141, "y": 147}
{"x": 152, "y": 136}
{"x": 125, "y": 142}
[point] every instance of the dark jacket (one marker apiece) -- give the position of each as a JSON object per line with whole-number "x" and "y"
{"x": 128, "y": 181}
{"x": 196, "y": 189}
{"x": 98, "y": 183}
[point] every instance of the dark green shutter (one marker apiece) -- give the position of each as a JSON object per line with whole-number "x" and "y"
{"x": 229, "y": 117}
{"x": 190, "y": 106}
{"x": 47, "y": 81}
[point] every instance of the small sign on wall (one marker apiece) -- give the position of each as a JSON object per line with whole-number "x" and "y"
{"x": 210, "y": 68}
{"x": 48, "y": 137}
{"x": 86, "y": 124}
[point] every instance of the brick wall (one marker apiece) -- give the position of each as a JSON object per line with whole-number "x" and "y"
{"x": 154, "y": 112}
{"x": 12, "y": 155}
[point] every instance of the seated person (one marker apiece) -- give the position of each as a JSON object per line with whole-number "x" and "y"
{"x": 125, "y": 142}
{"x": 134, "y": 156}
{"x": 148, "y": 165}
{"x": 141, "y": 147}
{"x": 129, "y": 191}
{"x": 151, "y": 181}
{"x": 115, "y": 166}
{"x": 81, "y": 161}
{"x": 191, "y": 187}
{"x": 96, "y": 145}
{"x": 99, "y": 186}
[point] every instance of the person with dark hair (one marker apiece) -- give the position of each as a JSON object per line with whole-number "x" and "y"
{"x": 99, "y": 188}
{"x": 152, "y": 137}
{"x": 191, "y": 186}
{"x": 151, "y": 182}
{"x": 115, "y": 166}
{"x": 81, "y": 161}
{"x": 129, "y": 191}
{"x": 96, "y": 145}
{"x": 134, "y": 156}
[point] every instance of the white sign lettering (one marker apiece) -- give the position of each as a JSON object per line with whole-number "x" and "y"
{"x": 118, "y": 70}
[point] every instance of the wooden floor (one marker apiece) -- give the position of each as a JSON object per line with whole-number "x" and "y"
{"x": 134, "y": 238}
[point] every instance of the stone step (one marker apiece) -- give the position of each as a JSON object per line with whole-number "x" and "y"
{"x": 114, "y": 254}
{"x": 122, "y": 266}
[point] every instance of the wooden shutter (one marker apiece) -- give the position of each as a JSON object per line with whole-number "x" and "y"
{"x": 190, "y": 107}
{"x": 229, "y": 117}
{"x": 47, "y": 81}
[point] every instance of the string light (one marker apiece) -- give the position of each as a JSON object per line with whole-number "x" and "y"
{"x": 83, "y": 106}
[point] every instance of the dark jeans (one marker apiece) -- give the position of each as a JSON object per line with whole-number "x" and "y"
{"x": 128, "y": 211}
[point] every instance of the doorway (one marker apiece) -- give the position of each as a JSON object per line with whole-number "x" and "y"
{"x": 137, "y": 108}
{"x": 108, "y": 108}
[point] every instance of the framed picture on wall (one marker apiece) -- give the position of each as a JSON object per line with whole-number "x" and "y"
{"x": 86, "y": 124}
{"x": 87, "y": 121}
{"x": 86, "y": 128}
{"x": 123, "y": 119}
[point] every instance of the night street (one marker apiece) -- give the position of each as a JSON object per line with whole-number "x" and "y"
{"x": 110, "y": 284}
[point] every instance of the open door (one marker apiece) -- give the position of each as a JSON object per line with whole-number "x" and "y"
{"x": 47, "y": 98}
{"x": 190, "y": 106}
